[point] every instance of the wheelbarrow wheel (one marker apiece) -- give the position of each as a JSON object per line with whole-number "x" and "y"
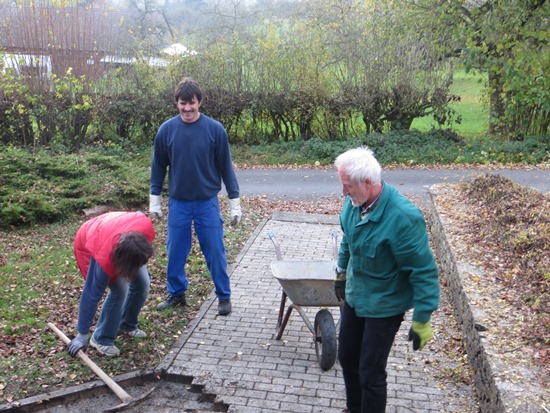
{"x": 325, "y": 339}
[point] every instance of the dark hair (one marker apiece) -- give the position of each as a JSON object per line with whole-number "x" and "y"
{"x": 187, "y": 89}
{"x": 131, "y": 252}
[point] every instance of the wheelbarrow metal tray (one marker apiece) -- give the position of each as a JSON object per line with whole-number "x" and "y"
{"x": 307, "y": 283}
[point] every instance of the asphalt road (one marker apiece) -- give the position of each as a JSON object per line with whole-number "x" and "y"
{"x": 310, "y": 184}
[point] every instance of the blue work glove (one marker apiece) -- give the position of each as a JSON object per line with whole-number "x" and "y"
{"x": 420, "y": 334}
{"x": 78, "y": 343}
{"x": 340, "y": 284}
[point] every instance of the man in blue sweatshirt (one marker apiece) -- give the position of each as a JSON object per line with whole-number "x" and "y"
{"x": 194, "y": 148}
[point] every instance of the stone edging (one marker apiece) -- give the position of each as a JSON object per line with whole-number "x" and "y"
{"x": 487, "y": 391}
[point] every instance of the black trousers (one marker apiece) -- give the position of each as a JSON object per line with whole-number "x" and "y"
{"x": 364, "y": 346}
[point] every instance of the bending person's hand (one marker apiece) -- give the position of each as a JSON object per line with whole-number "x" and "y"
{"x": 78, "y": 343}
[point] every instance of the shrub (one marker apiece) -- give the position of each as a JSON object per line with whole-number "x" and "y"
{"x": 45, "y": 187}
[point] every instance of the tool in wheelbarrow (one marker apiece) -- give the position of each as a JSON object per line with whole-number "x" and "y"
{"x": 309, "y": 284}
{"x": 127, "y": 400}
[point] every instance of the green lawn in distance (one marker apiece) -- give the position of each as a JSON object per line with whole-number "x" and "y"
{"x": 474, "y": 112}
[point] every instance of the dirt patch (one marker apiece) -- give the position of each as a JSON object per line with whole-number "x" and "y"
{"x": 173, "y": 393}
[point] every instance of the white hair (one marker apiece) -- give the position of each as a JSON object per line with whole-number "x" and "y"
{"x": 359, "y": 164}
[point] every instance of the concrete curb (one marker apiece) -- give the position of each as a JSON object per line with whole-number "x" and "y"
{"x": 488, "y": 393}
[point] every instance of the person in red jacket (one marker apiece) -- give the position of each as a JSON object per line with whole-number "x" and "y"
{"x": 111, "y": 250}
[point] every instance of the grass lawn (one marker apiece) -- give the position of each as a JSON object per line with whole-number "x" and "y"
{"x": 472, "y": 108}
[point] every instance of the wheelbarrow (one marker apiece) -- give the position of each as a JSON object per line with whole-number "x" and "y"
{"x": 309, "y": 284}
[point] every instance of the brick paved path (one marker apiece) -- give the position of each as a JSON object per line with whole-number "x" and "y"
{"x": 238, "y": 358}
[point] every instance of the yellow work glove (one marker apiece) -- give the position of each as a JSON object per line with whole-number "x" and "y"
{"x": 420, "y": 334}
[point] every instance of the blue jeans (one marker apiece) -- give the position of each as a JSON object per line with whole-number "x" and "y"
{"x": 121, "y": 307}
{"x": 208, "y": 223}
{"x": 364, "y": 345}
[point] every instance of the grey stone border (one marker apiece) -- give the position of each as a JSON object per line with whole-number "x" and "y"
{"x": 490, "y": 398}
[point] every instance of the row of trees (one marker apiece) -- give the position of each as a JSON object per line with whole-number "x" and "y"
{"x": 504, "y": 40}
{"x": 325, "y": 68}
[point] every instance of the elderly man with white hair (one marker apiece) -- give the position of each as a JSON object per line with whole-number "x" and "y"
{"x": 385, "y": 267}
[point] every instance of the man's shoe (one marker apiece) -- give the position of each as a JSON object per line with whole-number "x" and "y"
{"x": 172, "y": 301}
{"x": 224, "y": 307}
{"x": 137, "y": 333}
{"x": 109, "y": 351}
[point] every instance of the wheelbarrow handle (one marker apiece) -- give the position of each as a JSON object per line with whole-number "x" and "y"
{"x": 271, "y": 236}
{"x": 334, "y": 235}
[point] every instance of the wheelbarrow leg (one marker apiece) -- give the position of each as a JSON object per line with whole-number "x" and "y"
{"x": 281, "y": 327}
{"x": 281, "y": 309}
{"x": 282, "y": 322}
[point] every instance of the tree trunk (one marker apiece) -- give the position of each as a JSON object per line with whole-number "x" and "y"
{"x": 497, "y": 125}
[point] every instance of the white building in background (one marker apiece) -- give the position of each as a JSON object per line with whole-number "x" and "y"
{"x": 173, "y": 50}
{"x": 26, "y": 64}
{"x": 177, "y": 49}
{"x": 41, "y": 65}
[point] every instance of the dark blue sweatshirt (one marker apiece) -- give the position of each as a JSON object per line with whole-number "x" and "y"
{"x": 197, "y": 157}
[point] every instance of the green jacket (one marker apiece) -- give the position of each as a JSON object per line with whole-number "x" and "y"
{"x": 390, "y": 266}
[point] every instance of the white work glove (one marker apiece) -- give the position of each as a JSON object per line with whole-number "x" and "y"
{"x": 155, "y": 205}
{"x": 235, "y": 211}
